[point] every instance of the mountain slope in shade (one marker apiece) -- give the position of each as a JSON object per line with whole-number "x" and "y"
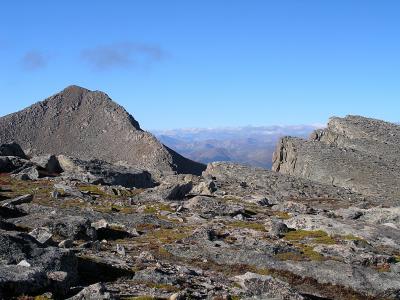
{"x": 88, "y": 124}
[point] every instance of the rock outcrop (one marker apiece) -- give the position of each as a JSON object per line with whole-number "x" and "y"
{"x": 12, "y": 149}
{"x": 352, "y": 152}
{"x": 87, "y": 124}
{"x": 373, "y": 137}
{"x": 100, "y": 172}
{"x": 27, "y": 267}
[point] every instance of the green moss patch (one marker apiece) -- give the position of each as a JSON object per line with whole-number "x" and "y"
{"x": 315, "y": 236}
{"x": 156, "y": 208}
{"x": 304, "y": 253}
{"x": 247, "y": 225}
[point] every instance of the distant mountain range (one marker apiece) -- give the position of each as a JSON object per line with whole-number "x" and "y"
{"x": 247, "y": 145}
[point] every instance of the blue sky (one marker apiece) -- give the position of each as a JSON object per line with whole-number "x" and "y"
{"x": 207, "y": 63}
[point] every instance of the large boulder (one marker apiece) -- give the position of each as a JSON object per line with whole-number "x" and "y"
{"x": 27, "y": 267}
{"x": 18, "y": 200}
{"x": 94, "y": 291}
{"x": 209, "y": 206}
{"x": 47, "y": 163}
{"x": 72, "y": 227}
{"x": 12, "y": 149}
{"x": 101, "y": 172}
{"x": 13, "y": 163}
{"x": 88, "y": 124}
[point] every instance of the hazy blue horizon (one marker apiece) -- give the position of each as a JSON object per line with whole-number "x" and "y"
{"x": 199, "y": 64}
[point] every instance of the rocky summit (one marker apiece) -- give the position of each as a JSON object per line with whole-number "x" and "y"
{"x": 92, "y": 221}
{"x": 353, "y": 152}
{"x": 87, "y": 124}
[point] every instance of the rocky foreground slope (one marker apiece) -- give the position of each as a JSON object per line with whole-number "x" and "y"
{"x": 72, "y": 228}
{"x": 88, "y": 124}
{"x": 353, "y": 152}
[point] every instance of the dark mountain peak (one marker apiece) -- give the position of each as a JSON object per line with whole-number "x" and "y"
{"x": 71, "y": 94}
{"x": 74, "y": 93}
{"x": 74, "y": 89}
{"x": 87, "y": 124}
{"x": 76, "y": 98}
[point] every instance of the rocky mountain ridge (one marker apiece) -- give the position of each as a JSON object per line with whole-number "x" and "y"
{"x": 83, "y": 228}
{"x": 352, "y": 152}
